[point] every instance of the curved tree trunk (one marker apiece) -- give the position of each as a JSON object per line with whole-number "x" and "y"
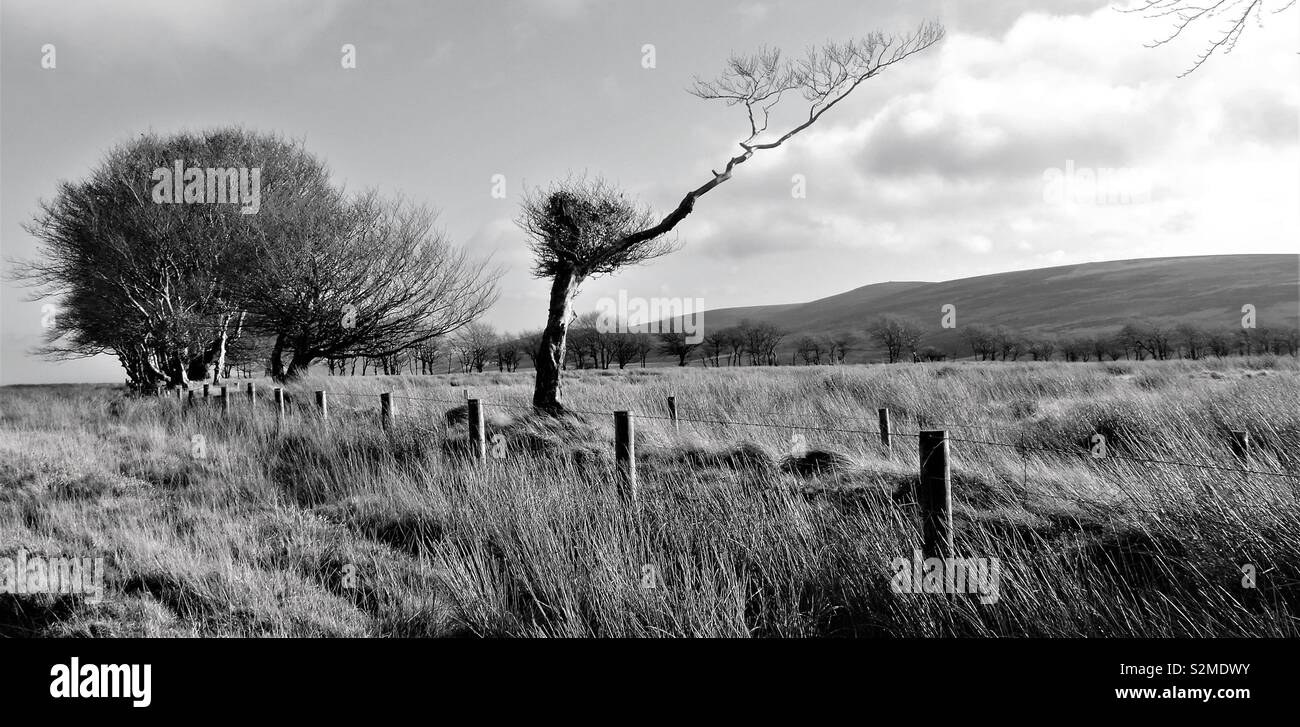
{"x": 549, "y": 357}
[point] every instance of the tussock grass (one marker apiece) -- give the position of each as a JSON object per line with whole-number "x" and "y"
{"x": 302, "y": 528}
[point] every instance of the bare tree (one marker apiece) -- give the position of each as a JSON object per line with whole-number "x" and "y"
{"x": 1184, "y": 13}
{"x": 579, "y": 228}
{"x": 507, "y": 352}
{"x": 980, "y": 339}
{"x": 839, "y": 345}
{"x": 897, "y": 335}
{"x": 373, "y": 279}
{"x": 1042, "y": 348}
{"x": 623, "y": 348}
{"x": 810, "y": 350}
{"x": 675, "y": 343}
{"x": 475, "y": 344}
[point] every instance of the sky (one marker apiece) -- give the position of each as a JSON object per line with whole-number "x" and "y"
{"x": 973, "y": 157}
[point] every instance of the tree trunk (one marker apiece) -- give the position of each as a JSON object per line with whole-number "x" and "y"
{"x": 277, "y": 358}
{"x": 221, "y": 353}
{"x": 550, "y": 353}
{"x": 298, "y": 365}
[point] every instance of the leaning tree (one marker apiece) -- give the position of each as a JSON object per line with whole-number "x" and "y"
{"x": 582, "y": 228}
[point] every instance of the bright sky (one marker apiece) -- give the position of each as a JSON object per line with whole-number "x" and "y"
{"x": 936, "y": 170}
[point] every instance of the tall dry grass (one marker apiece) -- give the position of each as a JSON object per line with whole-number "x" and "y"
{"x": 746, "y": 534}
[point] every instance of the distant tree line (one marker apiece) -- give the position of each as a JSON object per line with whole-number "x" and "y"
{"x": 478, "y": 347}
{"x": 901, "y": 338}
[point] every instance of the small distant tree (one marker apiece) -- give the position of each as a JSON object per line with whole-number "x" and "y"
{"x": 645, "y": 345}
{"x": 675, "y": 344}
{"x": 475, "y": 344}
{"x": 715, "y": 342}
{"x": 1042, "y": 348}
{"x": 1219, "y": 342}
{"x": 980, "y": 340}
{"x": 810, "y": 350}
{"x": 623, "y": 348}
{"x": 1191, "y": 340}
{"x": 838, "y": 345}
{"x": 930, "y": 353}
{"x": 897, "y": 335}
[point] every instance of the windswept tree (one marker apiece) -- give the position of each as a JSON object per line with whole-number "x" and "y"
{"x": 581, "y": 228}
{"x": 169, "y": 270}
{"x": 148, "y": 275}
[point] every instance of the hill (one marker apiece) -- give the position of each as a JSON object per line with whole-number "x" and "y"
{"x": 1076, "y": 299}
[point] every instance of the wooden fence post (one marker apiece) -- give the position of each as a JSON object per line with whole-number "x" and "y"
{"x": 251, "y": 392}
{"x": 322, "y": 405}
{"x": 386, "y": 410}
{"x": 625, "y": 453}
{"x": 672, "y": 412}
{"x": 189, "y": 398}
{"x": 477, "y": 442}
{"x": 1241, "y": 446}
{"x": 225, "y": 399}
{"x": 205, "y": 392}
{"x": 885, "y": 439}
{"x": 935, "y": 495}
{"x": 278, "y": 396}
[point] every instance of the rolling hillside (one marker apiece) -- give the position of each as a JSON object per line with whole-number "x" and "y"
{"x": 1070, "y": 299}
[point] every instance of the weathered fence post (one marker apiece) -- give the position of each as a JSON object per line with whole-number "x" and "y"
{"x": 672, "y": 412}
{"x": 189, "y": 399}
{"x": 322, "y": 405}
{"x": 251, "y": 392}
{"x": 205, "y": 392}
{"x": 886, "y": 440}
{"x": 386, "y": 410}
{"x": 477, "y": 443}
{"x": 1241, "y": 446}
{"x": 225, "y": 399}
{"x": 935, "y": 495}
{"x": 625, "y": 453}
{"x": 278, "y": 397}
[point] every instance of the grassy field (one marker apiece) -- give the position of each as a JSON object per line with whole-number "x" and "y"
{"x": 307, "y": 528}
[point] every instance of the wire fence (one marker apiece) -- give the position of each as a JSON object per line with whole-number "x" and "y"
{"x": 518, "y": 404}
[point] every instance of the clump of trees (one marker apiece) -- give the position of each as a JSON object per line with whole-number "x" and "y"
{"x": 187, "y": 291}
